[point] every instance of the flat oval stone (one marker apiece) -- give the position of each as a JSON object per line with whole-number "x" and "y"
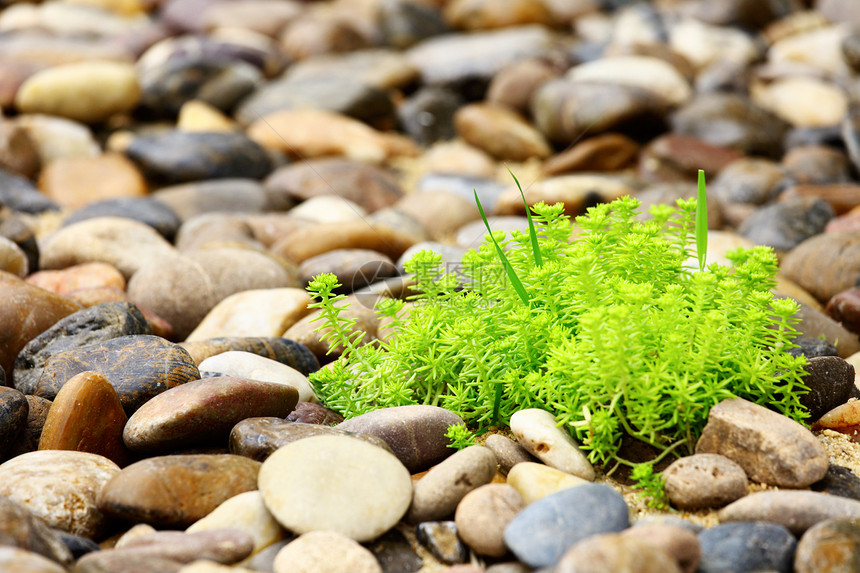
{"x": 74, "y": 182}
{"x": 145, "y": 210}
{"x": 338, "y": 484}
{"x": 416, "y": 434}
{"x": 176, "y": 491}
{"x": 830, "y": 545}
{"x": 315, "y": 413}
{"x": 680, "y": 543}
{"x": 92, "y": 325}
{"x": 771, "y": 448}
{"x": 12, "y": 259}
{"x": 756, "y": 546}
{"x": 247, "y": 512}
{"x": 615, "y": 552}
{"x": 436, "y": 495}
{"x": 25, "y": 312}
{"x": 258, "y": 438}
{"x": 22, "y": 529}
{"x": 203, "y": 412}
{"x": 15, "y": 559}
{"x": 786, "y": 224}
{"x": 78, "y": 277}
{"x": 354, "y": 268}
{"x": 538, "y": 433}
{"x": 820, "y": 264}
{"x": 796, "y": 510}
{"x": 70, "y": 424}
{"x": 830, "y": 380}
{"x": 325, "y": 552}
{"x": 21, "y": 195}
{"x": 126, "y": 244}
{"x": 138, "y": 367}
{"x": 282, "y": 350}
{"x": 60, "y": 487}
{"x": 535, "y": 481}
{"x": 212, "y": 196}
{"x": 501, "y": 132}
{"x": 483, "y": 514}
{"x": 704, "y": 481}
{"x": 258, "y": 313}
{"x": 176, "y": 157}
{"x": 14, "y": 410}
{"x": 320, "y": 238}
{"x": 577, "y": 192}
{"x": 368, "y": 186}
{"x": 247, "y": 365}
{"x": 541, "y": 533}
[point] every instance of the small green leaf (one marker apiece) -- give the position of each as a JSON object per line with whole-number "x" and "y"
{"x": 515, "y": 280}
{"x": 702, "y": 222}
{"x": 532, "y": 232}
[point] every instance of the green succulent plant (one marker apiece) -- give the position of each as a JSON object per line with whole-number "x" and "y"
{"x": 608, "y": 328}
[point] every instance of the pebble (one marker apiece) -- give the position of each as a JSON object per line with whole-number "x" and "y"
{"x": 148, "y": 490}
{"x": 803, "y": 102}
{"x": 395, "y": 553}
{"x": 96, "y": 324}
{"x": 500, "y": 132}
{"x": 704, "y": 481}
{"x": 177, "y": 157}
{"x": 416, "y": 434}
{"x": 58, "y": 138}
{"x": 226, "y": 195}
{"x": 839, "y": 481}
{"x": 754, "y": 546}
{"x": 817, "y": 165}
{"x": 69, "y": 425}
{"x": 247, "y": 512}
{"x": 680, "y": 543}
{"x": 428, "y": 115}
{"x": 242, "y": 364}
{"x": 615, "y": 552}
{"x": 282, "y": 350}
{"x": 37, "y": 413}
{"x": 61, "y": 488}
{"x": 815, "y": 264}
{"x": 126, "y": 244}
{"x": 814, "y": 323}
{"x": 508, "y": 452}
{"x": 26, "y": 312}
{"x": 253, "y": 313}
{"x": 320, "y": 209}
{"x": 436, "y": 495}
{"x": 22, "y": 529}
{"x": 797, "y": 510}
{"x": 325, "y": 552}
{"x": 538, "y": 433}
{"x": 771, "y": 448}
{"x": 79, "y": 181}
{"x": 258, "y": 438}
{"x": 15, "y": 559}
{"x": 534, "y": 481}
{"x": 577, "y": 192}
{"x": 786, "y": 224}
{"x": 14, "y": 411}
{"x": 441, "y": 212}
{"x": 314, "y": 240}
{"x": 204, "y": 412}
{"x": 749, "y": 180}
{"x": 829, "y": 545}
{"x": 137, "y": 366}
{"x": 541, "y": 533}
{"x": 353, "y": 268}
{"x": 84, "y": 91}
{"x": 78, "y": 277}
{"x": 830, "y": 380}
{"x": 651, "y": 74}
{"x": 607, "y": 152}
{"x": 338, "y": 484}
{"x": 12, "y": 259}
{"x": 369, "y": 186}
{"x": 21, "y": 195}
{"x": 442, "y": 540}
{"x": 142, "y": 209}
{"x": 483, "y": 514}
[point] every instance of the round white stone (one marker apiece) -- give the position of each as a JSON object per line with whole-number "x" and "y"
{"x": 335, "y": 483}
{"x": 537, "y": 432}
{"x": 249, "y": 365}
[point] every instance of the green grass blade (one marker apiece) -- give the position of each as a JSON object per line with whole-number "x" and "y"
{"x": 532, "y": 232}
{"x": 515, "y": 280}
{"x": 702, "y": 222}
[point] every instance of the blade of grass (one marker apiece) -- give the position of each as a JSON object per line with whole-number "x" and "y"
{"x": 702, "y": 222}
{"x": 532, "y": 232}
{"x": 515, "y": 280}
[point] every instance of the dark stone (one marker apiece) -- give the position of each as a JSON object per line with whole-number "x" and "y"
{"x": 394, "y": 553}
{"x": 225, "y": 196}
{"x": 177, "y": 157}
{"x": 13, "y": 417}
{"x": 313, "y": 413}
{"x": 786, "y": 224}
{"x": 143, "y": 209}
{"x": 404, "y": 23}
{"x": 440, "y": 537}
{"x": 839, "y": 481}
{"x": 282, "y": 350}
{"x": 22, "y": 234}
{"x": 541, "y": 533}
{"x": 844, "y": 307}
{"x": 36, "y": 416}
{"x": 338, "y": 94}
{"x": 731, "y": 120}
{"x": 18, "y": 194}
{"x": 20, "y": 528}
{"x": 746, "y": 546}
{"x": 354, "y": 268}
{"x": 76, "y": 544}
{"x": 428, "y": 115}
{"x": 258, "y": 438}
{"x": 851, "y": 50}
{"x": 830, "y": 380}
{"x": 138, "y": 367}
{"x": 92, "y": 325}
{"x": 813, "y": 347}
{"x": 221, "y": 84}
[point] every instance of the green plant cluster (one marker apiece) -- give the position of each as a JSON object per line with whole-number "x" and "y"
{"x": 608, "y": 329}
